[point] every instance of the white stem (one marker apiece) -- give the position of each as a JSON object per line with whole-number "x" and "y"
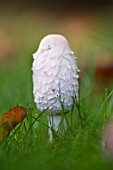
{"x": 54, "y": 123}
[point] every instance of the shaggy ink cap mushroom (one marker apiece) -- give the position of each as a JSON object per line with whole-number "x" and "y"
{"x": 55, "y": 75}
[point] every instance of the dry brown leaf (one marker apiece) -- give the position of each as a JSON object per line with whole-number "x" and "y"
{"x": 10, "y": 119}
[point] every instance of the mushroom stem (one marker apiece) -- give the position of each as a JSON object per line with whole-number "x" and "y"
{"x": 58, "y": 126}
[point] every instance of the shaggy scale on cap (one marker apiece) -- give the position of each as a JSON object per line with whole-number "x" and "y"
{"x": 55, "y": 77}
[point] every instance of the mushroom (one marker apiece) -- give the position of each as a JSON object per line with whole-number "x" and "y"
{"x": 55, "y": 79}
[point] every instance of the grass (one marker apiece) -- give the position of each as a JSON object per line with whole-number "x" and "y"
{"x": 28, "y": 145}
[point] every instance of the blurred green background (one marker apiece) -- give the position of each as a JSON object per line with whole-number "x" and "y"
{"x": 88, "y": 26}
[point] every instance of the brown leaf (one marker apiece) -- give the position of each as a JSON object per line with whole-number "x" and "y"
{"x": 10, "y": 119}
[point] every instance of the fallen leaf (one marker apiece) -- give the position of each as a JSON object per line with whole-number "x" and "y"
{"x": 10, "y": 119}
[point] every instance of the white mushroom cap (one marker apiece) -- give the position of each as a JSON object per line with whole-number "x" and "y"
{"x": 55, "y": 77}
{"x": 57, "y": 43}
